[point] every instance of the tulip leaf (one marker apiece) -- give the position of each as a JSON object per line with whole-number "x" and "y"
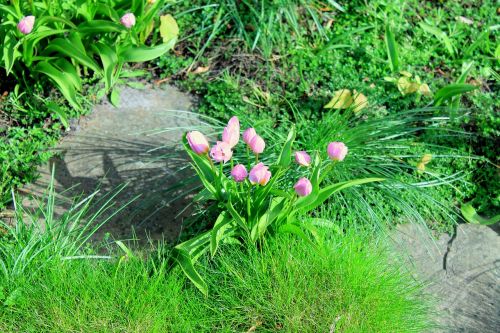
{"x": 326, "y": 192}
{"x": 275, "y": 208}
{"x": 9, "y": 10}
{"x": 221, "y": 228}
{"x": 10, "y": 51}
{"x": 114, "y": 97}
{"x": 452, "y": 90}
{"x": 392, "y": 48}
{"x": 66, "y": 67}
{"x": 470, "y": 214}
{"x": 286, "y": 153}
{"x": 146, "y": 53}
{"x": 109, "y": 61}
{"x": 186, "y": 263}
{"x": 62, "y": 80}
{"x": 99, "y": 26}
{"x": 74, "y": 50}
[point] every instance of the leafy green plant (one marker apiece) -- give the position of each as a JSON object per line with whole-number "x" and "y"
{"x": 264, "y": 202}
{"x": 66, "y": 40}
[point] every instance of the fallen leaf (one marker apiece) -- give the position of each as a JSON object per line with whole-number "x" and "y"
{"x": 201, "y": 69}
{"x": 342, "y": 99}
{"x": 168, "y": 28}
{"x": 425, "y": 90}
{"x": 360, "y": 101}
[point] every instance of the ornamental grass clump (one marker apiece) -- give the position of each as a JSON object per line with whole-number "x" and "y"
{"x": 261, "y": 201}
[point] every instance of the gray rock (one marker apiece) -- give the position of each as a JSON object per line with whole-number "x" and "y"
{"x": 462, "y": 273}
{"x": 128, "y": 145}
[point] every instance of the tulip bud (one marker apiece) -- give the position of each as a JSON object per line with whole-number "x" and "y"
{"x": 25, "y": 26}
{"x": 260, "y": 174}
{"x": 303, "y": 187}
{"x": 257, "y": 144}
{"x": 197, "y": 142}
{"x": 128, "y": 20}
{"x": 302, "y": 158}
{"x": 221, "y": 152}
{"x": 248, "y": 135}
{"x": 239, "y": 173}
{"x": 337, "y": 151}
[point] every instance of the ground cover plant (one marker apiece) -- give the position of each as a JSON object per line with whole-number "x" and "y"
{"x": 52, "y": 280}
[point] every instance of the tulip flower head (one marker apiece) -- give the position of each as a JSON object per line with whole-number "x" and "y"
{"x": 197, "y": 142}
{"x": 128, "y": 20}
{"x": 231, "y": 135}
{"x": 337, "y": 151}
{"x": 239, "y": 173}
{"x": 248, "y": 135}
{"x": 260, "y": 174}
{"x": 221, "y": 152}
{"x": 257, "y": 144}
{"x": 234, "y": 122}
{"x": 26, "y": 24}
{"x": 302, "y": 158}
{"x": 303, "y": 187}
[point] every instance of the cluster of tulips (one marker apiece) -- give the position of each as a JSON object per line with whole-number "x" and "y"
{"x": 259, "y": 174}
{"x": 26, "y": 24}
{"x": 252, "y": 203}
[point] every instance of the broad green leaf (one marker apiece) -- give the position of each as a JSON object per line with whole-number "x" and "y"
{"x": 10, "y": 51}
{"x": 99, "y": 26}
{"x": 72, "y": 75}
{"x": 275, "y": 208}
{"x": 73, "y": 50}
{"x": 114, "y": 97}
{"x": 452, "y": 90}
{"x": 221, "y": 226}
{"x": 109, "y": 61}
{"x": 62, "y": 81}
{"x": 9, "y": 10}
{"x": 202, "y": 163}
{"x": 470, "y": 214}
{"x": 145, "y": 53}
{"x": 286, "y": 153}
{"x": 47, "y": 19}
{"x": 185, "y": 262}
{"x": 294, "y": 229}
{"x": 392, "y": 48}
{"x": 440, "y": 35}
{"x": 168, "y": 28}
{"x": 326, "y": 192}
{"x": 237, "y": 217}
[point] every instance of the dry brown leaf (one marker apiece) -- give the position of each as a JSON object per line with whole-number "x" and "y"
{"x": 201, "y": 69}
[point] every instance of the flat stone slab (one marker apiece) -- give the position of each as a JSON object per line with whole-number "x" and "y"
{"x": 462, "y": 273}
{"x": 128, "y": 145}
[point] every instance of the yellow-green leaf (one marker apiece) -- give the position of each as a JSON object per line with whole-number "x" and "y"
{"x": 168, "y": 28}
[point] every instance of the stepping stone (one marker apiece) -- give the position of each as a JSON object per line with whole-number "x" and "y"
{"x": 128, "y": 145}
{"x": 462, "y": 272}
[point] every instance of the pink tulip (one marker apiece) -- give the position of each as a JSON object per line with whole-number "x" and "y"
{"x": 248, "y": 135}
{"x": 257, "y": 144}
{"x": 197, "y": 142}
{"x": 221, "y": 152}
{"x": 302, "y": 158}
{"x": 234, "y": 122}
{"x": 128, "y": 20}
{"x": 303, "y": 187}
{"x": 231, "y": 135}
{"x": 239, "y": 173}
{"x": 25, "y": 26}
{"x": 337, "y": 151}
{"x": 260, "y": 174}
